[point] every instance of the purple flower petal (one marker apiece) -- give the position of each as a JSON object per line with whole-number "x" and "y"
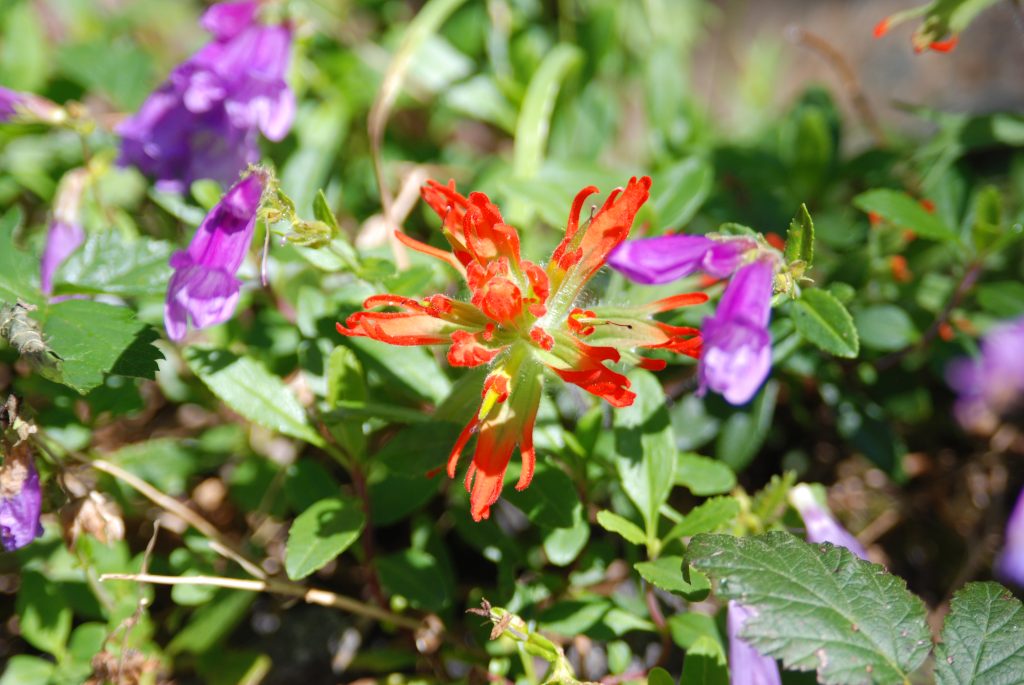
{"x": 20, "y": 499}
{"x": 203, "y": 121}
{"x": 1010, "y": 564}
{"x": 747, "y": 666}
{"x": 993, "y": 384}
{"x": 204, "y": 287}
{"x": 736, "y": 355}
{"x": 9, "y": 100}
{"x": 62, "y": 239}
{"x": 668, "y": 258}
{"x": 821, "y": 526}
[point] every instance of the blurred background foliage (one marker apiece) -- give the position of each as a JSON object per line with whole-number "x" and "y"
{"x": 740, "y": 113}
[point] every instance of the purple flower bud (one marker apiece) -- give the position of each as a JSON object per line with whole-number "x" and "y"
{"x": 20, "y": 499}
{"x": 62, "y": 239}
{"x": 668, "y": 258}
{"x": 821, "y": 526}
{"x": 1010, "y": 564}
{"x": 992, "y": 385}
{"x": 9, "y": 99}
{"x": 747, "y": 666}
{"x": 204, "y": 287}
{"x": 737, "y": 352}
{"x": 203, "y": 121}
{"x": 30, "y": 107}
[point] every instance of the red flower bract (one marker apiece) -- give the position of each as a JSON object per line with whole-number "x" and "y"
{"x": 521, "y": 318}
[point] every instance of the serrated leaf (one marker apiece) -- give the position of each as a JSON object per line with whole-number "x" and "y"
{"x": 320, "y": 534}
{"x": 800, "y": 238}
{"x": 819, "y": 606}
{"x": 666, "y": 573}
{"x": 107, "y": 263}
{"x": 645, "y": 448}
{"x": 248, "y": 388}
{"x": 91, "y": 338}
{"x": 706, "y": 518}
{"x": 904, "y": 211}
{"x": 982, "y": 638}
{"x": 704, "y": 476}
{"x": 824, "y": 321}
{"x": 614, "y": 523}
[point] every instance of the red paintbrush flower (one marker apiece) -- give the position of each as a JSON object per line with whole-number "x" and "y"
{"x": 521, "y": 318}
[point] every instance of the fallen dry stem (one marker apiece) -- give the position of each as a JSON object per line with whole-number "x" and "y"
{"x": 308, "y": 595}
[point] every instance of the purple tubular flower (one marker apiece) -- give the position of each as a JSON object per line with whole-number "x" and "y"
{"x": 62, "y": 240}
{"x": 821, "y": 525}
{"x": 9, "y": 100}
{"x": 20, "y": 499}
{"x": 203, "y": 121}
{"x": 204, "y": 287}
{"x": 29, "y": 107}
{"x": 992, "y": 385}
{"x": 1010, "y": 564}
{"x": 737, "y": 353}
{"x": 668, "y": 258}
{"x": 747, "y": 666}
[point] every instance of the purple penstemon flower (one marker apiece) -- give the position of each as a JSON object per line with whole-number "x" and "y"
{"x": 992, "y": 385}
{"x": 1010, "y": 563}
{"x": 737, "y": 352}
{"x": 204, "y": 120}
{"x": 747, "y": 666}
{"x": 20, "y": 499}
{"x": 671, "y": 257}
{"x": 821, "y": 525}
{"x": 204, "y": 288}
{"x": 15, "y": 105}
{"x": 65, "y": 234}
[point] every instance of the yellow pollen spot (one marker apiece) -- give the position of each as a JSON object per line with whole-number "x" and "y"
{"x": 491, "y": 397}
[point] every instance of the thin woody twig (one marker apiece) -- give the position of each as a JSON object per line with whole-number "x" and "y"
{"x": 847, "y": 76}
{"x": 309, "y": 595}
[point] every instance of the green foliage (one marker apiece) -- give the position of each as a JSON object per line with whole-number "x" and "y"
{"x": 320, "y": 534}
{"x": 982, "y": 637}
{"x": 904, "y": 211}
{"x": 824, "y": 321}
{"x": 855, "y": 620}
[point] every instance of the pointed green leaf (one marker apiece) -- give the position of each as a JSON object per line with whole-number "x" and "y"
{"x": 706, "y": 518}
{"x": 982, "y": 637}
{"x": 614, "y": 523}
{"x": 534, "y": 119}
{"x": 666, "y": 573}
{"x": 705, "y": 663}
{"x": 904, "y": 211}
{"x": 248, "y": 388}
{"x": 824, "y": 321}
{"x": 819, "y": 606}
{"x": 704, "y": 476}
{"x": 800, "y": 238}
{"x": 320, "y": 534}
{"x": 107, "y": 263}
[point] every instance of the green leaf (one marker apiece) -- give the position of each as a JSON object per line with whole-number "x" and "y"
{"x": 24, "y": 52}
{"x": 248, "y": 388}
{"x": 416, "y": 576}
{"x": 800, "y": 238}
{"x": 322, "y": 211}
{"x": 819, "y": 606}
{"x": 645, "y": 448}
{"x": 687, "y": 628}
{"x": 704, "y": 476}
{"x": 706, "y": 518}
{"x": 550, "y": 499}
{"x": 534, "y": 120}
{"x": 666, "y": 573}
{"x": 18, "y": 270}
{"x": 1003, "y": 299}
{"x": 745, "y": 431}
{"x": 307, "y": 483}
{"x": 43, "y": 614}
{"x": 705, "y": 663}
{"x": 885, "y": 327}
{"x": 414, "y": 371}
{"x": 659, "y": 676}
{"x": 107, "y": 263}
{"x": 982, "y": 637}
{"x": 118, "y": 69}
{"x": 680, "y": 191}
{"x": 91, "y": 337}
{"x": 614, "y": 523}
{"x": 27, "y": 670}
{"x": 320, "y": 534}
{"x": 563, "y": 545}
{"x": 139, "y": 360}
{"x": 904, "y": 211}
{"x": 212, "y": 622}
{"x": 824, "y": 321}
